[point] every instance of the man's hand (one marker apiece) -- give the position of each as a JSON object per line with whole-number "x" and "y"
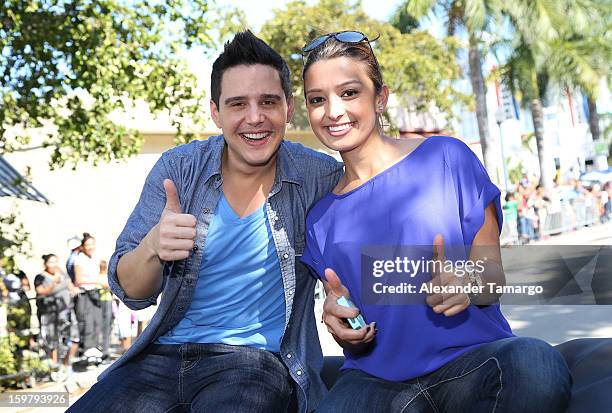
{"x": 449, "y": 304}
{"x": 174, "y": 236}
{"x": 140, "y": 271}
{"x": 334, "y": 316}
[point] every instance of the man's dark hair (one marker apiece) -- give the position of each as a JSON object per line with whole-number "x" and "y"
{"x": 247, "y": 49}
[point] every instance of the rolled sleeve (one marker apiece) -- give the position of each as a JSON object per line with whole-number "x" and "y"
{"x": 144, "y": 217}
{"x": 474, "y": 190}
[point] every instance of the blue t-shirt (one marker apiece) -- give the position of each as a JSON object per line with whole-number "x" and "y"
{"x": 440, "y": 187}
{"x": 239, "y": 297}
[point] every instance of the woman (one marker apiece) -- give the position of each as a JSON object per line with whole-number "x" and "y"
{"x": 106, "y": 301}
{"x": 445, "y": 354}
{"x": 88, "y": 304}
{"x": 58, "y": 324}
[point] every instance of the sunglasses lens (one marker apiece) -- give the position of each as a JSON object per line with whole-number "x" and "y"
{"x": 350, "y": 37}
{"x": 315, "y": 43}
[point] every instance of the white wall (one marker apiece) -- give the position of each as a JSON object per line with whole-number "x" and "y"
{"x": 91, "y": 199}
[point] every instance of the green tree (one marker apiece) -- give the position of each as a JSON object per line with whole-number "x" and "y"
{"x": 473, "y": 16}
{"x": 582, "y": 53}
{"x": 548, "y": 49}
{"x": 14, "y": 241}
{"x": 416, "y": 66}
{"x": 70, "y": 64}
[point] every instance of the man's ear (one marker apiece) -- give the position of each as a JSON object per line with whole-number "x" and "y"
{"x": 290, "y": 108}
{"x": 214, "y": 113}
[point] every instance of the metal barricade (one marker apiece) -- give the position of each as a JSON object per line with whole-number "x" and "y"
{"x": 559, "y": 220}
{"x": 572, "y": 215}
{"x": 587, "y": 212}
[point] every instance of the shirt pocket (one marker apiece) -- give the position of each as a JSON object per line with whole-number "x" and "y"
{"x": 298, "y": 221}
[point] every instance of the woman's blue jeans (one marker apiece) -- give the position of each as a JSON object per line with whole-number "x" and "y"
{"x": 515, "y": 374}
{"x": 193, "y": 377}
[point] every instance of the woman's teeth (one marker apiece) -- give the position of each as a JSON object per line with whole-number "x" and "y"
{"x": 340, "y": 128}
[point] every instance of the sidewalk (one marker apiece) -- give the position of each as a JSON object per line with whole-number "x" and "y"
{"x": 76, "y": 387}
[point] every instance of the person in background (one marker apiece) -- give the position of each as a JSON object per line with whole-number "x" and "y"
{"x": 74, "y": 244}
{"x": 511, "y": 214}
{"x": 25, "y": 282}
{"x": 124, "y": 326}
{"x": 30, "y": 295}
{"x": 526, "y": 215}
{"x": 106, "y": 300}
{"x": 606, "y": 199}
{"x": 88, "y": 304}
{"x": 58, "y": 326}
{"x": 19, "y": 312}
{"x": 541, "y": 204}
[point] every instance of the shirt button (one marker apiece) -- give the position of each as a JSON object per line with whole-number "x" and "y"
{"x": 181, "y": 308}
{"x": 285, "y": 255}
{"x": 195, "y": 247}
{"x": 206, "y": 210}
{"x": 290, "y": 292}
{"x": 299, "y": 372}
{"x": 289, "y": 355}
{"x": 276, "y": 218}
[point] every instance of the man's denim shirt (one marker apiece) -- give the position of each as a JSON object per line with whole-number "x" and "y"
{"x": 303, "y": 176}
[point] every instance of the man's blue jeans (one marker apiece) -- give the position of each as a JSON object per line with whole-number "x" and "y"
{"x": 193, "y": 377}
{"x": 516, "y": 374}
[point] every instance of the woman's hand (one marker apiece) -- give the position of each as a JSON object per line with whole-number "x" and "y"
{"x": 334, "y": 316}
{"x": 485, "y": 248}
{"x": 447, "y": 303}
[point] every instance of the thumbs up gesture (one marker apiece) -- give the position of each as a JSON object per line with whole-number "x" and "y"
{"x": 447, "y": 303}
{"x": 176, "y": 231}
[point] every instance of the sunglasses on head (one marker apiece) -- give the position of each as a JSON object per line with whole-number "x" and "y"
{"x": 347, "y": 36}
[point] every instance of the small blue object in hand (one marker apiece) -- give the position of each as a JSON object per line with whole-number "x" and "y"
{"x": 357, "y": 322}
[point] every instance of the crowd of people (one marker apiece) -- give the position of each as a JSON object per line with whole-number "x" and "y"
{"x": 78, "y": 317}
{"x": 532, "y": 213}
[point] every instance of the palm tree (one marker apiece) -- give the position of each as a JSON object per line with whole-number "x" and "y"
{"x": 473, "y": 16}
{"x": 567, "y": 56}
{"x": 520, "y": 74}
{"x": 584, "y": 54}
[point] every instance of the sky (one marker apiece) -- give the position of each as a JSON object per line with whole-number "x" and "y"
{"x": 258, "y": 12}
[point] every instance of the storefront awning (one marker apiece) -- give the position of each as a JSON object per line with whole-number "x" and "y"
{"x": 15, "y": 185}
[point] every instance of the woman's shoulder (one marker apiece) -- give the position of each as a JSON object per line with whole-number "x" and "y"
{"x": 456, "y": 152}
{"x": 450, "y": 144}
{"x": 442, "y": 145}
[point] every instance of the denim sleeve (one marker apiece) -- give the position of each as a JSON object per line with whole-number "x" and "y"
{"x": 144, "y": 217}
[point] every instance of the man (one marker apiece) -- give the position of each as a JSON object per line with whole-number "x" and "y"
{"x": 219, "y": 228}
